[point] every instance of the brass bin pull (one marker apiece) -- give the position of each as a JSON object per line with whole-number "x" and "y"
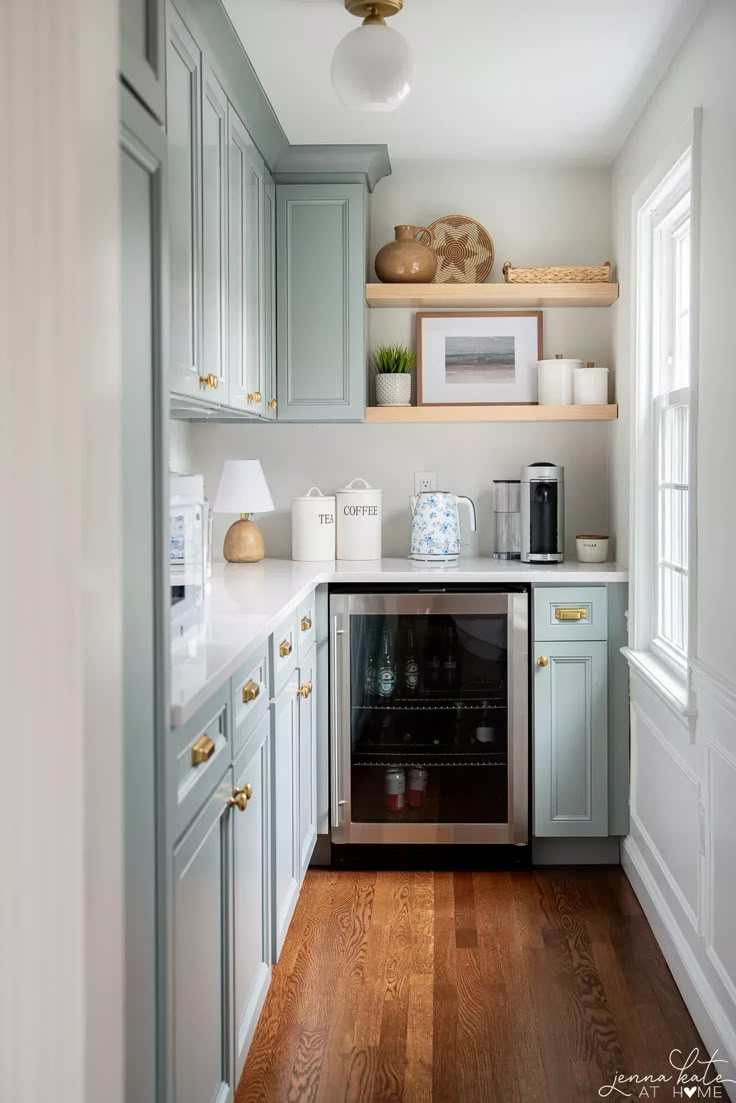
{"x": 306, "y": 624}
{"x": 304, "y": 690}
{"x": 202, "y": 750}
{"x": 251, "y": 690}
{"x": 240, "y": 797}
{"x": 571, "y": 614}
{"x": 284, "y": 648}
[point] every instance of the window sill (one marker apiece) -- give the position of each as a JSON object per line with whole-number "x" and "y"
{"x": 663, "y": 680}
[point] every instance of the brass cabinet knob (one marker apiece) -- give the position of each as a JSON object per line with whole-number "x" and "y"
{"x": 257, "y": 396}
{"x": 284, "y": 648}
{"x": 306, "y": 624}
{"x": 202, "y": 750}
{"x": 251, "y": 397}
{"x": 240, "y": 797}
{"x": 251, "y": 690}
{"x": 213, "y": 381}
{"x": 305, "y": 689}
{"x": 542, "y": 661}
{"x": 272, "y": 404}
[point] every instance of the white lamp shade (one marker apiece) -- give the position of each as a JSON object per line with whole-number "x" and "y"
{"x": 371, "y": 68}
{"x": 243, "y": 488}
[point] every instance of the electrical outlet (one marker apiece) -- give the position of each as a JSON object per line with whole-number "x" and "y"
{"x": 424, "y": 480}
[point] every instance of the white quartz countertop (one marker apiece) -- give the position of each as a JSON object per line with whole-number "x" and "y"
{"x": 245, "y": 602}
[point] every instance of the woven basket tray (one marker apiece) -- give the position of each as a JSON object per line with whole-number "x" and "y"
{"x": 561, "y": 274}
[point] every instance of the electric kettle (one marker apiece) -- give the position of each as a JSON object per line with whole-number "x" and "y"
{"x": 435, "y": 526}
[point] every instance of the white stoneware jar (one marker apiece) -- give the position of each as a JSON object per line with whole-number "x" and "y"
{"x": 590, "y": 385}
{"x": 358, "y": 521}
{"x": 313, "y": 526}
{"x": 554, "y": 381}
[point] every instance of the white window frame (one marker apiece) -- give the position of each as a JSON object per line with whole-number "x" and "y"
{"x": 676, "y": 172}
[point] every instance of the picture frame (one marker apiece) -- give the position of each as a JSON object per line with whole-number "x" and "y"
{"x": 478, "y": 358}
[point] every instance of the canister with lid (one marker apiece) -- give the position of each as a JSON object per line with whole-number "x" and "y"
{"x": 313, "y": 526}
{"x": 358, "y": 521}
{"x": 554, "y": 380}
{"x": 590, "y": 385}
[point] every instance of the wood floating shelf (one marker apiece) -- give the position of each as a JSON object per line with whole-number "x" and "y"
{"x": 417, "y": 415}
{"x": 490, "y": 294}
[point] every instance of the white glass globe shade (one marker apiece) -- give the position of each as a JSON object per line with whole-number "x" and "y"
{"x": 371, "y": 68}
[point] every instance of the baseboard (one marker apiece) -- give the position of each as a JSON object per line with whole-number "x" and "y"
{"x": 576, "y": 852}
{"x": 707, "y": 1012}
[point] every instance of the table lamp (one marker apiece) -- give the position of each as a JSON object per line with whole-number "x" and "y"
{"x": 243, "y": 490}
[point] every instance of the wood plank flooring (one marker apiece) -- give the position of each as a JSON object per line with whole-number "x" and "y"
{"x": 461, "y": 987}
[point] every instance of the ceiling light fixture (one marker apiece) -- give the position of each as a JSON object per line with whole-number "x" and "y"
{"x": 371, "y": 67}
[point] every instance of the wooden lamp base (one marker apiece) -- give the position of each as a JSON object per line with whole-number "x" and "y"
{"x": 243, "y": 542}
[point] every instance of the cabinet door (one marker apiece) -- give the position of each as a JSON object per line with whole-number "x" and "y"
{"x": 570, "y": 739}
{"x": 269, "y": 298}
{"x": 142, "y": 51}
{"x": 237, "y": 146}
{"x": 251, "y": 887}
{"x": 307, "y": 763}
{"x": 285, "y": 786}
{"x": 321, "y": 266}
{"x": 183, "y": 131}
{"x": 202, "y": 1047}
{"x": 214, "y": 234}
{"x": 142, "y": 198}
{"x": 255, "y": 182}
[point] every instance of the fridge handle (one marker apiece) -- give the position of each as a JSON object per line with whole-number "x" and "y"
{"x": 335, "y": 726}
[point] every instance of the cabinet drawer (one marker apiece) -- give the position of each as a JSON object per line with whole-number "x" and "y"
{"x": 307, "y": 627}
{"x": 570, "y": 613}
{"x": 202, "y": 749}
{"x": 251, "y": 693}
{"x": 283, "y": 652}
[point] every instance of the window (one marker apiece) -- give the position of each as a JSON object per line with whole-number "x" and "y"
{"x": 662, "y": 498}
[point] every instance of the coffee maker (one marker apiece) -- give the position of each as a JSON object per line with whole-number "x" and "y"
{"x": 542, "y": 513}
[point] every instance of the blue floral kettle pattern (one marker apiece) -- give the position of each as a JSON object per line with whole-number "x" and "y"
{"x": 435, "y": 526}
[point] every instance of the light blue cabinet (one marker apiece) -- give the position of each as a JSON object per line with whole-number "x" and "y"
{"x": 214, "y": 235}
{"x": 251, "y": 885}
{"x": 269, "y": 299}
{"x": 142, "y": 52}
{"x": 570, "y": 738}
{"x": 321, "y": 269}
{"x": 307, "y": 821}
{"x": 285, "y": 818}
{"x": 183, "y": 132}
{"x": 203, "y": 1052}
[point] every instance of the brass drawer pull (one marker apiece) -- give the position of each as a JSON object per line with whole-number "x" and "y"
{"x": 284, "y": 648}
{"x": 571, "y": 614}
{"x": 304, "y": 690}
{"x": 250, "y": 691}
{"x": 306, "y": 624}
{"x": 202, "y": 750}
{"x": 240, "y": 797}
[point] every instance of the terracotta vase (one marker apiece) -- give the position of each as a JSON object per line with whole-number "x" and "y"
{"x": 405, "y": 260}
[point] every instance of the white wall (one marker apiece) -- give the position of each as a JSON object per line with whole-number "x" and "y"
{"x": 534, "y": 216}
{"x": 61, "y": 1028}
{"x": 681, "y": 851}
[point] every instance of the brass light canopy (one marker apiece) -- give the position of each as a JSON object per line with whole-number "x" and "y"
{"x": 374, "y": 11}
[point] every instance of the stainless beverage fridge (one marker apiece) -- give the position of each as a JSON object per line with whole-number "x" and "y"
{"x": 429, "y": 732}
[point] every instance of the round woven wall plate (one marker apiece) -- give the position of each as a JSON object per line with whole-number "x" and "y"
{"x": 464, "y": 249}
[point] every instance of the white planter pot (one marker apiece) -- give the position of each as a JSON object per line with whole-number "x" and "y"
{"x": 393, "y": 390}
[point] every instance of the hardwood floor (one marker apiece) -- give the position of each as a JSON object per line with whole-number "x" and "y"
{"x": 455, "y": 988}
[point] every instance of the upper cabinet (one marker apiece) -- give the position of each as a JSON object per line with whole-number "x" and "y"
{"x": 142, "y": 52}
{"x": 183, "y": 131}
{"x": 214, "y": 235}
{"x": 321, "y": 265}
{"x": 269, "y": 298}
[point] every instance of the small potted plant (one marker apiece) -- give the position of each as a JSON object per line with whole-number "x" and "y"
{"x": 392, "y": 365}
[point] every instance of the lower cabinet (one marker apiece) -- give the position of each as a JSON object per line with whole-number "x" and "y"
{"x": 251, "y": 871}
{"x": 570, "y": 738}
{"x": 202, "y": 930}
{"x": 294, "y": 792}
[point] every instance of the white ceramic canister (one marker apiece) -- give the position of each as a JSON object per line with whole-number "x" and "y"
{"x": 358, "y": 521}
{"x": 554, "y": 381}
{"x": 313, "y": 526}
{"x": 590, "y": 385}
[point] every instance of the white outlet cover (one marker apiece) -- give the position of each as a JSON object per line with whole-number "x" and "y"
{"x": 424, "y": 480}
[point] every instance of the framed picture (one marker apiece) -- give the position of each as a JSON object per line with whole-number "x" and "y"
{"x": 473, "y": 359}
